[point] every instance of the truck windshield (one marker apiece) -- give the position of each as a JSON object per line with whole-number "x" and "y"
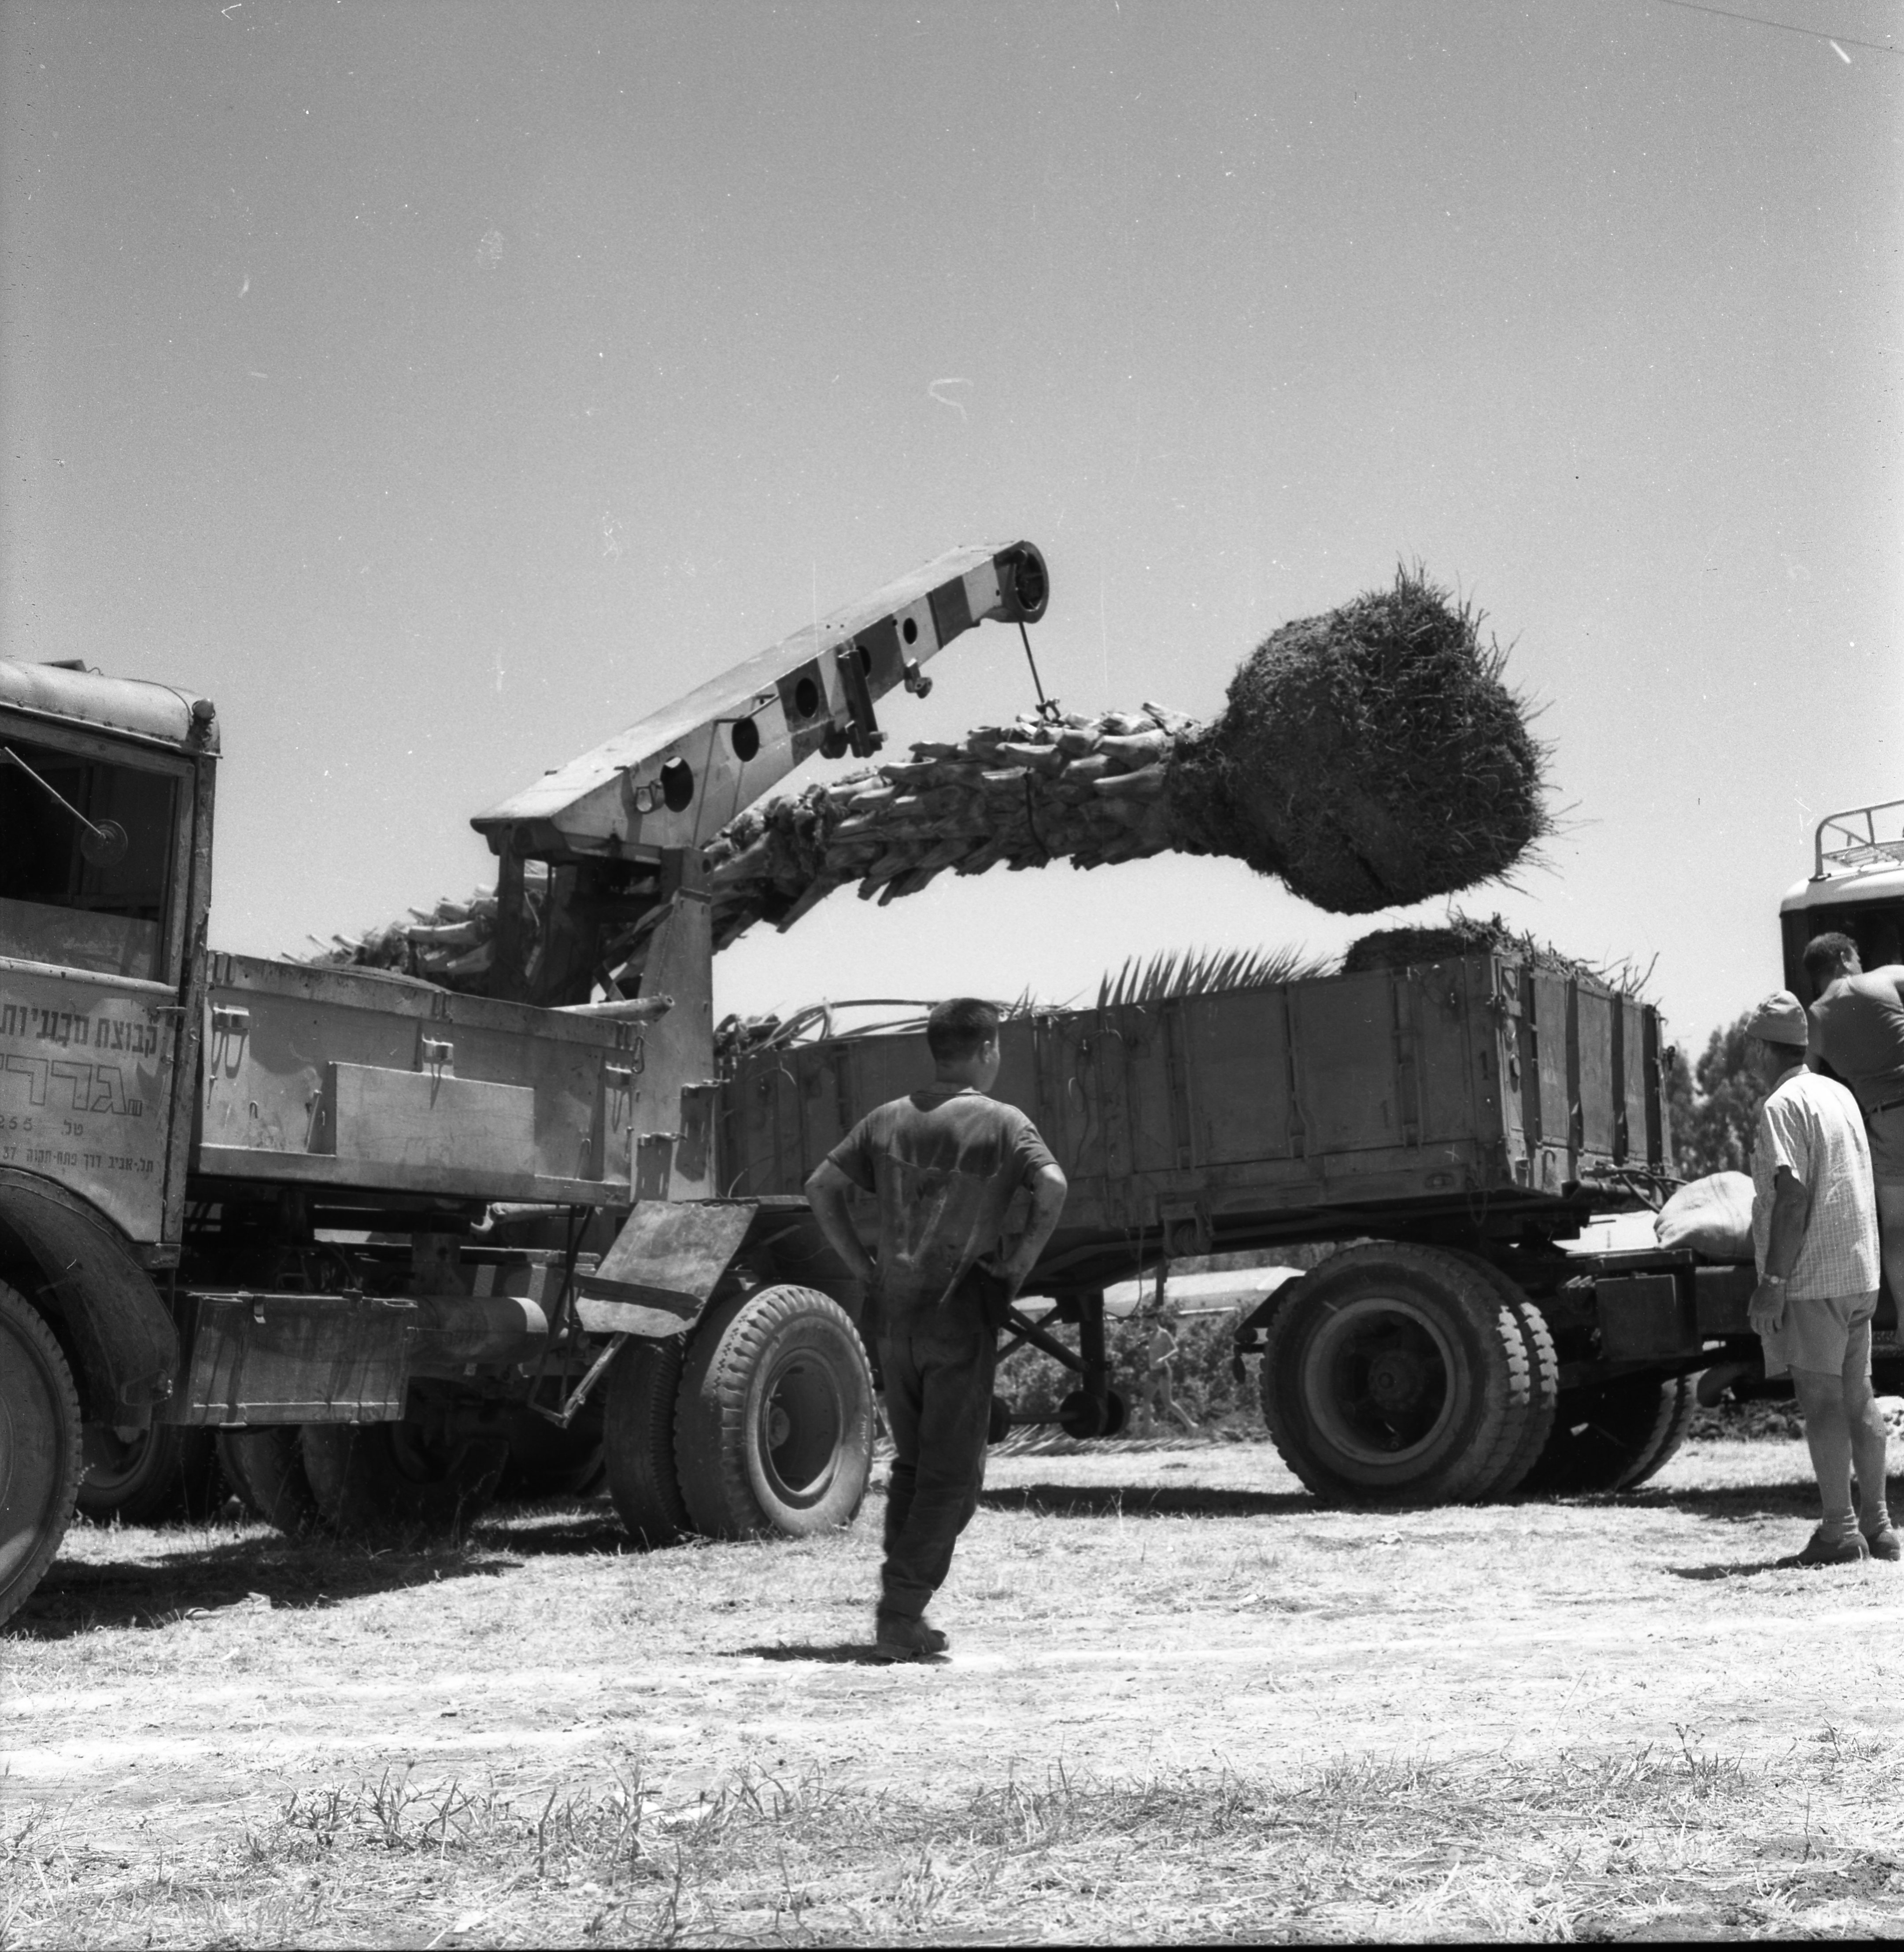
{"x": 86, "y": 852}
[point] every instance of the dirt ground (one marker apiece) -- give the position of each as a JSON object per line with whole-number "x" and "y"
{"x": 1582, "y": 1719}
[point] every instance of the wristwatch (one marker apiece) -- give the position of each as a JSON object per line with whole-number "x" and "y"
{"x": 1776, "y": 1281}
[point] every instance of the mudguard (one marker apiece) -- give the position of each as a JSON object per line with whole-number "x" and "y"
{"x": 669, "y": 1260}
{"x": 95, "y": 1290}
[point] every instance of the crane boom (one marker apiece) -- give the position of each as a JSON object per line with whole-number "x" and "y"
{"x": 675, "y": 778}
{"x": 622, "y": 828}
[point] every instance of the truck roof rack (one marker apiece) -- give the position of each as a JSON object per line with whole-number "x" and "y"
{"x": 1867, "y": 836}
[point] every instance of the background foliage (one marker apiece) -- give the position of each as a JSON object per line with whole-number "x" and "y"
{"x": 1715, "y": 1107}
{"x": 1034, "y": 1385}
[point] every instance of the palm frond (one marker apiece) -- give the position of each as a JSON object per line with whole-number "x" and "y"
{"x": 1198, "y": 972}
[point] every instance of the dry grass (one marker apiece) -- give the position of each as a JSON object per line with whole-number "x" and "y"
{"x": 1575, "y": 1848}
{"x": 1186, "y": 1704}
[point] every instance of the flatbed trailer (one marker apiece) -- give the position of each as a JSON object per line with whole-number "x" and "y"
{"x": 1453, "y": 1121}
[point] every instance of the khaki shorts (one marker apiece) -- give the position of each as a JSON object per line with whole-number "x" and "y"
{"x": 1885, "y": 1130}
{"x": 1831, "y": 1334}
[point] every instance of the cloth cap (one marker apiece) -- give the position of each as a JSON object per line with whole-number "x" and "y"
{"x": 1780, "y": 1018}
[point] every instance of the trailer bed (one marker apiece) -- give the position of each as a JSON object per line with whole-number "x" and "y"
{"x": 1493, "y": 1087}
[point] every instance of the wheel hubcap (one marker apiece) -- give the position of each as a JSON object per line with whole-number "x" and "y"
{"x": 113, "y": 1453}
{"x": 1380, "y": 1380}
{"x": 802, "y": 1420}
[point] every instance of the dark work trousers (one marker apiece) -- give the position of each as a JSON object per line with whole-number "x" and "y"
{"x": 938, "y": 1378}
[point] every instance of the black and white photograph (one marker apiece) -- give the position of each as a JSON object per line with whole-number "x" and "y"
{"x": 951, "y": 971}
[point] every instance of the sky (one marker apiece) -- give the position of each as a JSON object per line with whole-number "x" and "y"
{"x": 442, "y": 385}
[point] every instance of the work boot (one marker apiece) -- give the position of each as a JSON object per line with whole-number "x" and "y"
{"x": 901, "y": 1637}
{"x": 1820, "y": 1549}
{"x": 1883, "y": 1543}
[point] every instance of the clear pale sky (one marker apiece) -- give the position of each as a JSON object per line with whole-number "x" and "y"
{"x": 440, "y": 385}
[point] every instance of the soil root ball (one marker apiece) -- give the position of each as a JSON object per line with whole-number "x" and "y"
{"x": 1369, "y": 758}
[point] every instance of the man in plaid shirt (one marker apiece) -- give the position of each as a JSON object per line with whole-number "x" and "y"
{"x": 1815, "y": 1235}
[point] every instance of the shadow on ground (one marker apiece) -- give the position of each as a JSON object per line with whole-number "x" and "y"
{"x": 831, "y": 1653}
{"x": 202, "y": 1578}
{"x": 1795, "y": 1497}
{"x": 1747, "y": 1568}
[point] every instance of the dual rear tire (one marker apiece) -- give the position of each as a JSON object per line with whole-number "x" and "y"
{"x": 356, "y": 1477}
{"x": 761, "y": 1424}
{"x": 1396, "y": 1374}
{"x": 1614, "y": 1436}
{"x": 1403, "y": 1375}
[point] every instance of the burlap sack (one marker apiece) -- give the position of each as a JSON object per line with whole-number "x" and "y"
{"x": 1712, "y": 1216}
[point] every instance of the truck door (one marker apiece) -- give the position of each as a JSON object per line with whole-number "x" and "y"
{"x": 94, "y": 881}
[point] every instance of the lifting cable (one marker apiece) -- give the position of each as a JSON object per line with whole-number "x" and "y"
{"x": 1048, "y": 710}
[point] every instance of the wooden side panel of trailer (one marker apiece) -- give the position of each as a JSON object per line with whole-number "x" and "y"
{"x": 1477, "y": 1076}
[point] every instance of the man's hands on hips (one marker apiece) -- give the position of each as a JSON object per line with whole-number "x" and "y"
{"x": 1049, "y": 1186}
{"x": 826, "y": 1192}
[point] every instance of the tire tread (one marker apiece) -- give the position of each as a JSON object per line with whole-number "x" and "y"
{"x": 1618, "y": 1461}
{"x": 264, "y": 1465}
{"x": 19, "y": 1318}
{"x": 359, "y": 1489}
{"x": 1543, "y": 1379}
{"x": 710, "y": 1417}
{"x": 638, "y": 1441}
{"x": 1511, "y": 1382}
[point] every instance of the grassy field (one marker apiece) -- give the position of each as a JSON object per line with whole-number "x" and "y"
{"x": 1184, "y": 1703}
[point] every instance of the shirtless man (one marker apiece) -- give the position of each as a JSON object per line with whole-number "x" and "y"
{"x": 1857, "y": 1029}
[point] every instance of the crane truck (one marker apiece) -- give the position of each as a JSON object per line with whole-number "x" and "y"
{"x": 359, "y": 1224}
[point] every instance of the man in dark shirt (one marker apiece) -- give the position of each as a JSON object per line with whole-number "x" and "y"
{"x": 1858, "y": 1032}
{"x": 943, "y": 1165}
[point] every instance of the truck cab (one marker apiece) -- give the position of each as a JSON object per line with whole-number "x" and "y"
{"x": 106, "y": 789}
{"x": 1855, "y": 887}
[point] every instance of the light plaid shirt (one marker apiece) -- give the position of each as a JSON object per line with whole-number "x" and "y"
{"x": 1813, "y": 1125}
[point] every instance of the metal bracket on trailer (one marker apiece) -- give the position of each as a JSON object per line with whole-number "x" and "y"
{"x": 561, "y": 1418}
{"x": 1023, "y": 1330}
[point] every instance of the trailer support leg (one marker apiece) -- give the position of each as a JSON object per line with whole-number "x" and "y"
{"x": 1091, "y": 1348}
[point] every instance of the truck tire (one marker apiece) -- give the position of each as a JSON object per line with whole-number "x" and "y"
{"x": 546, "y": 1461}
{"x": 264, "y": 1466}
{"x": 638, "y": 1441}
{"x": 1543, "y": 1380}
{"x": 142, "y": 1476}
{"x": 1611, "y": 1437}
{"x": 40, "y": 1448}
{"x": 1397, "y": 1374}
{"x": 368, "y": 1476}
{"x": 773, "y": 1422}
